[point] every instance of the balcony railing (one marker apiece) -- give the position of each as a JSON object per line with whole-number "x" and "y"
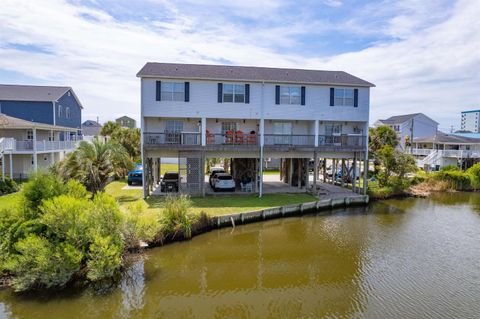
{"x": 289, "y": 140}
{"x": 181, "y": 138}
{"x": 231, "y": 139}
{"x": 342, "y": 141}
{"x": 12, "y": 145}
{"x": 195, "y": 138}
{"x": 446, "y": 153}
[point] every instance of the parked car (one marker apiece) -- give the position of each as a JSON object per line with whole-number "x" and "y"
{"x": 213, "y": 171}
{"x": 169, "y": 182}
{"x": 135, "y": 176}
{"x": 223, "y": 182}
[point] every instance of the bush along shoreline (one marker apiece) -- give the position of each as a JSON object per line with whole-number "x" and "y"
{"x": 61, "y": 234}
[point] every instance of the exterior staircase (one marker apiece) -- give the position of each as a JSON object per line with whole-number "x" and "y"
{"x": 430, "y": 159}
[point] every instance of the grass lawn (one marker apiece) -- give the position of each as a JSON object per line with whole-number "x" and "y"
{"x": 271, "y": 172}
{"x": 212, "y": 205}
{"x": 9, "y": 201}
{"x": 168, "y": 168}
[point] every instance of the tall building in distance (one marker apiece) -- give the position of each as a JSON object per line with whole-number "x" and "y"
{"x": 469, "y": 121}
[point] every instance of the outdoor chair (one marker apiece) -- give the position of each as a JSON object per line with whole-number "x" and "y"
{"x": 239, "y": 138}
{"x": 229, "y": 137}
{"x": 210, "y": 137}
{"x": 252, "y": 138}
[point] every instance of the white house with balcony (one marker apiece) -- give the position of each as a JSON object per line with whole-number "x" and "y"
{"x": 441, "y": 149}
{"x": 410, "y": 126}
{"x": 193, "y": 112}
{"x": 28, "y": 146}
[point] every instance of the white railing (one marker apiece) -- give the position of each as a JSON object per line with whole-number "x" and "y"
{"x": 12, "y": 145}
{"x": 430, "y": 159}
{"x": 419, "y": 151}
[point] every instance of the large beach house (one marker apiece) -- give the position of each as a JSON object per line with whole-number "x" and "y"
{"x": 193, "y": 112}
{"x": 38, "y": 126}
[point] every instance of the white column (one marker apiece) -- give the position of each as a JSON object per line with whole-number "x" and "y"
{"x": 11, "y": 166}
{"x": 35, "y": 165}
{"x": 366, "y": 163}
{"x": 204, "y": 131}
{"x": 316, "y": 132}
{"x": 261, "y": 133}
{"x": 3, "y": 167}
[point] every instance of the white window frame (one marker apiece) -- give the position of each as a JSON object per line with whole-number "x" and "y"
{"x": 174, "y": 94}
{"x": 60, "y": 111}
{"x": 230, "y": 126}
{"x": 178, "y": 126}
{"x": 342, "y": 99}
{"x": 30, "y": 135}
{"x": 290, "y": 98}
{"x": 67, "y": 112}
{"x": 235, "y": 89}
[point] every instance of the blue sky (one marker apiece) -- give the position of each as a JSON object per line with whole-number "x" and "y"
{"x": 424, "y": 56}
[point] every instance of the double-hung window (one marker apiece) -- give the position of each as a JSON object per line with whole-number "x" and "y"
{"x": 343, "y": 97}
{"x": 60, "y": 111}
{"x": 67, "y": 112}
{"x": 173, "y": 91}
{"x": 30, "y": 135}
{"x": 234, "y": 93}
{"x": 290, "y": 95}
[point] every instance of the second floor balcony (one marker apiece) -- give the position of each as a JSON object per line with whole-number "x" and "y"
{"x": 240, "y": 139}
{"x": 11, "y": 145}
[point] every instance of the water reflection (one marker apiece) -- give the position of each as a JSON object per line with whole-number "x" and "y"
{"x": 404, "y": 258}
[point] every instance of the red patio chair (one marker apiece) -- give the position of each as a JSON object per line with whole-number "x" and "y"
{"x": 229, "y": 137}
{"x": 239, "y": 139}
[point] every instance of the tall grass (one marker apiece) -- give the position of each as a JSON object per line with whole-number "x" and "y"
{"x": 177, "y": 218}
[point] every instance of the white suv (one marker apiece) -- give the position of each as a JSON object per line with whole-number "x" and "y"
{"x": 223, "y": 182}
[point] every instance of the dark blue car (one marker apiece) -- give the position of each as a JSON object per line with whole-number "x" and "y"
{"x": 135, "y": 176}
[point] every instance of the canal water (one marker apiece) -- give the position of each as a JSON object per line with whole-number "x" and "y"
{"x": 409, "y": 258}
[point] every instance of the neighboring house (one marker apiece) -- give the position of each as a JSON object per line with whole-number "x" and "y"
{"x": 38, "y": 125}
{"x": 27, "y": 146}
{"x": 410, "y": 126}
{"x": 441, "y": 149}
{"x": 470, "y": 121}
{"x": 91, "y": 128}
{"x": 126, "y": 121}
{"x": 248, "y": 114}
{"x": 53, "y": 105}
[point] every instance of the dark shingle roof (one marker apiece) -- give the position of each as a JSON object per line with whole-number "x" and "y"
{"x": 91, "y": 123}
{"x": 441, "y": 137}
{"x": 399, "y": 119}
{"x": 249, "y": 73}
{"x": 33, "y": 93}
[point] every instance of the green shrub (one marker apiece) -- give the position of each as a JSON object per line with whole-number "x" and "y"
{"x": 140, "y": 225}
{"x": 8, "y": 186}
{"x": 457, "y": 179}
{"x": 449, "y": 168}
{"x": 176, "y": 216}
{"x": 474, "y": 174}
{"x": 40, "y": 262}
{"x": 68, "y": 235}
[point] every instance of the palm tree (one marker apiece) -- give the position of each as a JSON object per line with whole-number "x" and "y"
{"x": 94, "y": 163}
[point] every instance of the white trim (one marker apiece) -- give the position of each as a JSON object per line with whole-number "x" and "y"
{"x": 54, "y": 114}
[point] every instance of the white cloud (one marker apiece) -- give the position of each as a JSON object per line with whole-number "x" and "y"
{"x": 433, "y": 67}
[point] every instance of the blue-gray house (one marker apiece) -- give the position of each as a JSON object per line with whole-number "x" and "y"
{"x": 39, "y": 125}
{"x": 53, "y": 105}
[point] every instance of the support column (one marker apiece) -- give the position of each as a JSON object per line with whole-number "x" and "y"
{"x": 290, "y": 172}
{"x": 260, "y": 193}
{"x": 334, "y": 170}
{"x": 365, "y": 173}
{"x": 299, "y": 173}
{"x": 11, "y": 165}
{"x": 324, "y": 167}
{"x": 35, "y": 164}
{"x": 354, "y": 175}
{"x": 344, "y": 172}
{"x": 204, "y": 131}
{"x": 3, "y": 167}
{"x": 316, "y": 133}
{"x": 315, "y": 171}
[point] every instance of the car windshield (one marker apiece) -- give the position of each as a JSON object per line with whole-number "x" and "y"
{"x": 224, "y": 177}
{"x": 171, "y": 176}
